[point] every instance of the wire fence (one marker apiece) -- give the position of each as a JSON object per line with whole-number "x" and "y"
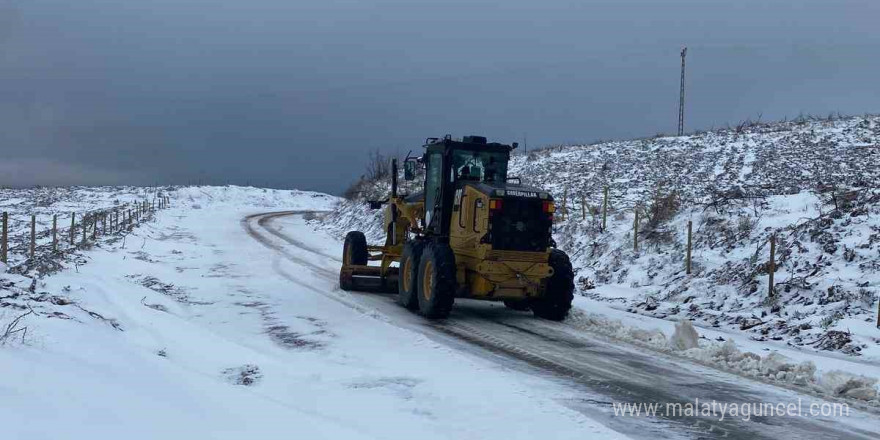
{"x": 574, "y": 209}
{"x": 71, "y": 231}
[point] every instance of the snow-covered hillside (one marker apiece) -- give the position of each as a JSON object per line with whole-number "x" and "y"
{"x": 813, "y": 184}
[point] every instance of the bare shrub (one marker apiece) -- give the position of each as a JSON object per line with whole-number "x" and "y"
{"x": 353, "y": 190}
{"x": 378, "y": 166}
{"x": 663, "y": 208}
{"x": 745, "y": 225}
{"x": 14, "y": 329}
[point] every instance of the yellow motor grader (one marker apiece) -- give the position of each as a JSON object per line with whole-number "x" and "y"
{"x": 472, "y": 232}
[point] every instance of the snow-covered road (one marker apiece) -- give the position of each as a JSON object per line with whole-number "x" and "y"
{"x": 599, "y": 371}
{"x": 212, "y": 321}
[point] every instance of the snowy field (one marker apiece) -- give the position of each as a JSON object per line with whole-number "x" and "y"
{"x": 186, "y": 327}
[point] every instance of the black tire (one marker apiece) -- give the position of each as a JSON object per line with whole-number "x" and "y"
{"x": 436, "y": 281}
{"x": 514, "y": 304}
{"x": 559, "y": 293}
{"x": 408, "y": 278}
{"x": 345, "y": 282}
{"x": 354, "y": 251}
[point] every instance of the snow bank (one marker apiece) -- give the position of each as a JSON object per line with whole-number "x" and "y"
{"x": 199, "y": 197}
{"x": 845, "y": 384}
{"x": 685, "y": 336}
{"x": 772, "y": 367}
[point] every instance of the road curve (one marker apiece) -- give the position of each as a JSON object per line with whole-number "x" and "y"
{"x": 602, "y": 371}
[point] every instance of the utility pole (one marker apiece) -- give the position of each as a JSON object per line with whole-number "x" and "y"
{"x": 525, "y": 144}
{"x": 681, "y": 95}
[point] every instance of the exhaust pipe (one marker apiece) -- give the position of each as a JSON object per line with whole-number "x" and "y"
{"x": 393, "y": 178}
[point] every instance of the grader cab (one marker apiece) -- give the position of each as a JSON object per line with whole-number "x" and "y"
{"x": 470, "y": 233}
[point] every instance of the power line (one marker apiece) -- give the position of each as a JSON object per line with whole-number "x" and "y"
{"x": 681, "y": 95}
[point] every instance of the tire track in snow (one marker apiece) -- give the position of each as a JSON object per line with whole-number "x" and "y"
{"x": 621, "y": 374}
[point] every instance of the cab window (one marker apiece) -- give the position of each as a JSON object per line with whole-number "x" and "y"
{"x": 433, "y": 181}
{"x": 479, "y": 166}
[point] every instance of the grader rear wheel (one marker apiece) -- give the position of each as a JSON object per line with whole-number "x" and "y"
{"x": 407, "y": 284}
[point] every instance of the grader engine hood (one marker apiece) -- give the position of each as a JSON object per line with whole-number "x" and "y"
{"x": 520, "y": 217}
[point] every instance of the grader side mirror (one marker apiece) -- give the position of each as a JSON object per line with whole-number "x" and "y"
{"x": 409, "y": 170}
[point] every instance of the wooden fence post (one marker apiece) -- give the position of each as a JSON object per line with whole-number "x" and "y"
{"x": 636, "y": 231}
{"x": 565, "y": 204}
{"x": 33, "y": 248}
{"x": 772, "y": 265}
{"x": 583, "y": 207}
{"x": 72, "y": 228}
{"x": 4, "y": 239}
{"x": 54, "y": 232}
{"x": 605, "y": 209}
{"x": 94, "y": 226}
{"x": 85, "y": 228}
{"x": 688, "y": 260}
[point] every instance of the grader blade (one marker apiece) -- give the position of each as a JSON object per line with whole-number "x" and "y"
{"x": 368, "y": 278}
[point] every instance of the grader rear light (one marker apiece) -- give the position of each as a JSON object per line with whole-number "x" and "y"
{"x": 495, "y": 204}
{"x": 549, "y": 207}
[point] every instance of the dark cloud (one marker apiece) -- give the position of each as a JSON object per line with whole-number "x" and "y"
{"x": 295, "y": 93}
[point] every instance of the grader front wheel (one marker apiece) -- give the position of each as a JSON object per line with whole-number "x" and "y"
{"x": 556, "y": 301}
{"x": 354, "y": 252}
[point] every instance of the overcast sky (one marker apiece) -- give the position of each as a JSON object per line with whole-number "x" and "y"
{"x": 294, "y": 93}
